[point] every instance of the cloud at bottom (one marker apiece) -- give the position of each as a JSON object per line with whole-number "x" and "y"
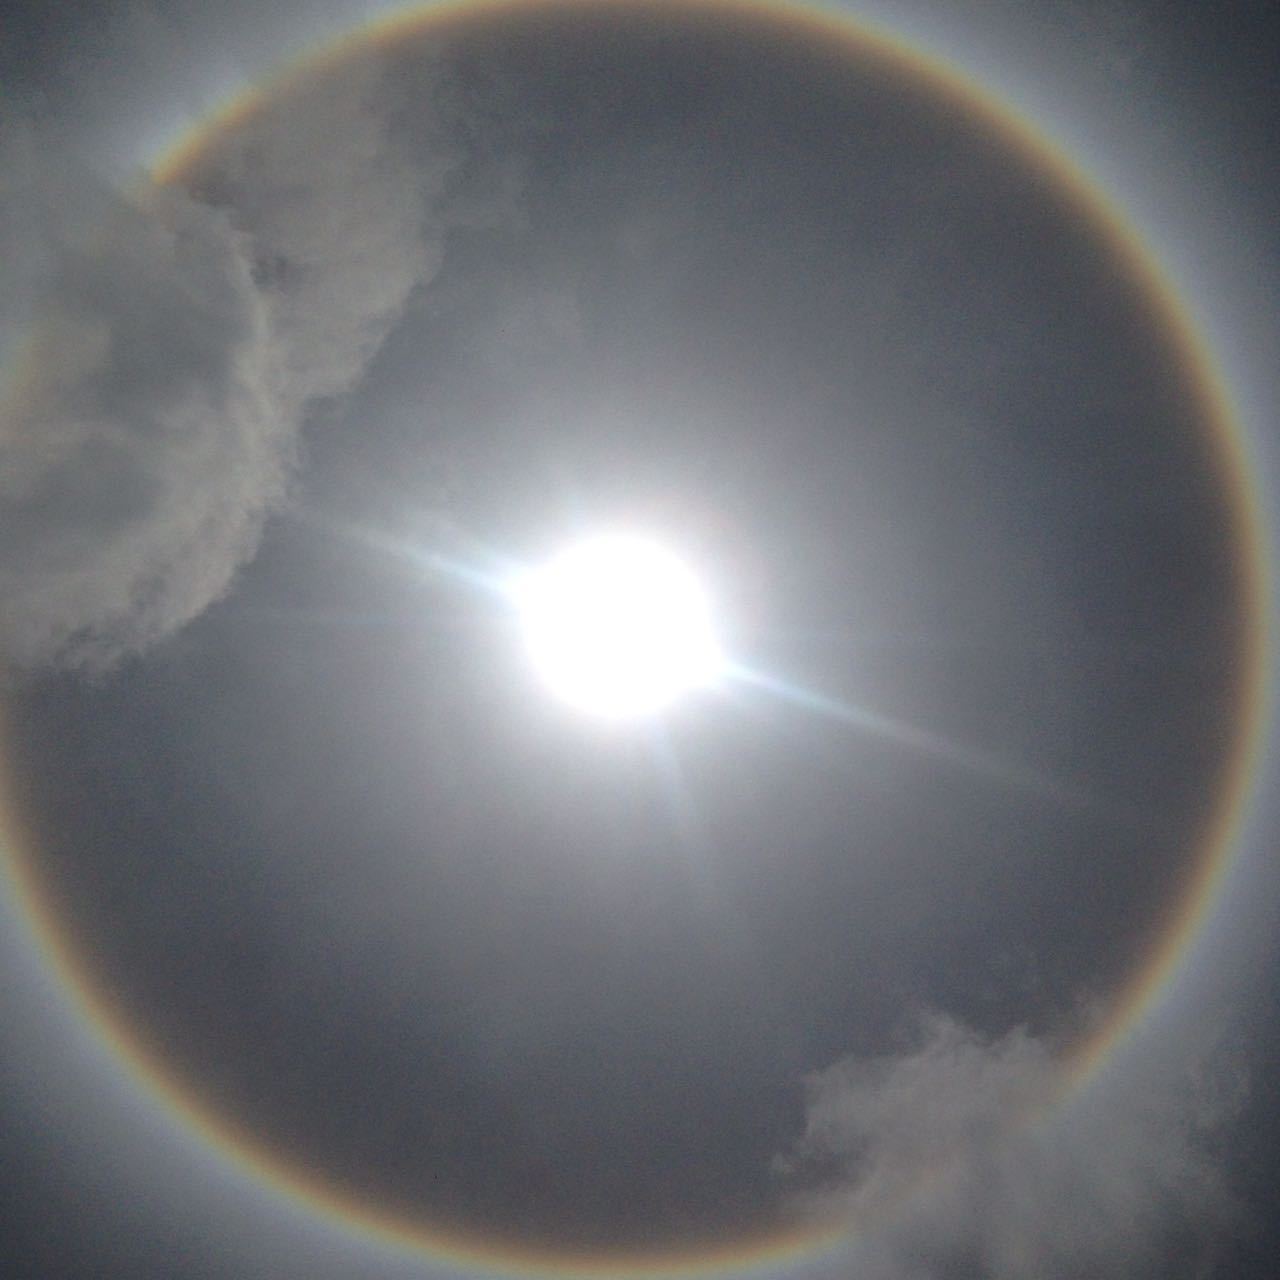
{"x": 953, "y": 1161}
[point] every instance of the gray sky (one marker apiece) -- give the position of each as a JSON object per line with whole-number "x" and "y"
{"x": 377, "y": 899}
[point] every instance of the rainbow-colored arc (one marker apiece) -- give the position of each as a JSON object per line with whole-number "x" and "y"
{"x": 1145, "y": 985}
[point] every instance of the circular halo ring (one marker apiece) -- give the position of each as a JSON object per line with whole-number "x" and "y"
{"x": 1164, "y": 955}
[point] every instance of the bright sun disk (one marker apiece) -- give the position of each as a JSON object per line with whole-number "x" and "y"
{"x": 618, "y": 626}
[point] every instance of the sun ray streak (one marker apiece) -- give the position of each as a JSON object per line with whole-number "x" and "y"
{"x": 677, "y": 796}
{"x": 973, "y": 760}
{"x": 474, "y": 564}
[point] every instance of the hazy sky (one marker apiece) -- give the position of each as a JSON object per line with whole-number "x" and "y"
{"x": 807, "y": 947}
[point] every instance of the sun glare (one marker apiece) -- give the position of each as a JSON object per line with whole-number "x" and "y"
{"x": 618, "y": 626}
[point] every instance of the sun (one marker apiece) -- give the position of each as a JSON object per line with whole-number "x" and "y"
{"x": 618, "y": 626}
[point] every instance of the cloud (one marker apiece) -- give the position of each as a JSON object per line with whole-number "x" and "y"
{"x": 173, "y": 343}
{"x": 953, "y": 1162}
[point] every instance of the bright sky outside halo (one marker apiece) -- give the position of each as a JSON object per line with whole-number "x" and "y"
{"x": 622, "y": 703}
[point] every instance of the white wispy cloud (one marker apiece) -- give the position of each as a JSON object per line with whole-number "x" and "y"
{"x": 171, "y": 345}
{"x": 952, "y": 1160}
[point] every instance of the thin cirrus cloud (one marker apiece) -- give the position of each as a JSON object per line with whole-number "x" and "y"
{"x": 176, "y": 345}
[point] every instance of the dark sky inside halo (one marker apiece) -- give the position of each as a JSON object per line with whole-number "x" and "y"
{"x": 365, "y": 887}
